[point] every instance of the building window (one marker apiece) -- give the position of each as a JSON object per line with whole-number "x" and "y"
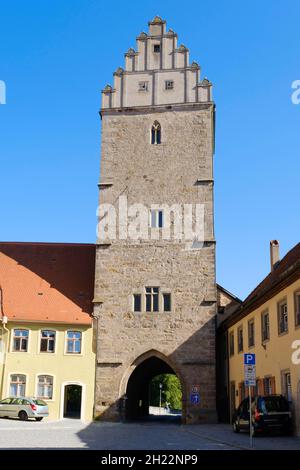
{"x": 47, "y": 341}
{"x": 231, "y": 343}
{"x": 156, "y": 48}
{"x": 156, "y": 133}
{"x": 156, "y": 218}
{"x": 17, "y": 385}
{"x": 265, "y": 326}
{"x": 269, "y": 385}
{"x": 45, "y": 387}
{"x": 167, "y": 302}
{"x": 251, "y": 333}
{"x": 297, "y": 308}
{"x": 240, "y": 339}
{"x": 20, "y": 340}
{"x": 143, "y": 86}
{"x": 152, "y": 299}
{"x": 287, "y": 385}
{"x": 282, "y": 317}
{"x": 169, "y": 84}
{"x": 137, "y": 302}
{"x": 73, "y": 342}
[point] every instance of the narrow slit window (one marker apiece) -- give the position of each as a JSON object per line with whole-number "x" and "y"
{"x": 167, "y": 302}
{"x": 156, "y": 133}
{"x": 137, "y": 302}
{"x": 156, "y": 218}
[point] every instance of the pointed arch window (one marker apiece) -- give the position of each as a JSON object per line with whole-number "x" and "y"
{"x": 156, "y": 133}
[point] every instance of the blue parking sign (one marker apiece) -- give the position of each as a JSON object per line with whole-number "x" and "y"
{"x": 249, "y": 359}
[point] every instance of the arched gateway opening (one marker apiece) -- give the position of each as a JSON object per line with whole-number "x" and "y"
{"x": 146, "y": 393}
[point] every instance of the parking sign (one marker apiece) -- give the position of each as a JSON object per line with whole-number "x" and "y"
{"x": 249, "y": 359}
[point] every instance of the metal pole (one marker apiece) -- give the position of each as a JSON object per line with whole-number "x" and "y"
{"x": 250, "y": 417}
{"x": 159, "y": 398}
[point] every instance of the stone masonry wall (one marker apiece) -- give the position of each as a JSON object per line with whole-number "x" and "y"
{"x": 179, "y": 170}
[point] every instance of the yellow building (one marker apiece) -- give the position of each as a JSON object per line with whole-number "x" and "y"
{"x": 46, "y": 334}
{"x": 267, "y": 323}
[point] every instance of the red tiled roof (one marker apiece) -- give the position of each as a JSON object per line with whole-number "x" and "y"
{"x": 47, "y": 282}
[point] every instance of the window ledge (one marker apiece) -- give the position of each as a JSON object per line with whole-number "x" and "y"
{"x": 283, "y": 333}
{"x": 153, "y": 313}
{"x": 74, "y": 354}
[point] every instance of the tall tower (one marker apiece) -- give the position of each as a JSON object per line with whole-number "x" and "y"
{"x": 155, "y": 292}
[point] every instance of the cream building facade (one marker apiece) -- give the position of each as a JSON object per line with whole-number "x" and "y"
{"x": 46, "y": 334}
{"x": 268, "y": 325}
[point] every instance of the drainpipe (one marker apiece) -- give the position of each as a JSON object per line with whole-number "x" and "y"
{"x": 4, "y": 320}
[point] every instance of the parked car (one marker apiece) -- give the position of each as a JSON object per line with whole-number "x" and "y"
{"x": 23, "y": 408}
{"x": 269, "y": 413}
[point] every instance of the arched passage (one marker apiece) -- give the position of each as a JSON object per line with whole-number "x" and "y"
{"x": 137, "y": 391}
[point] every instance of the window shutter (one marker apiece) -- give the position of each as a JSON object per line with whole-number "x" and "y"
{"x": 260, "y": 386}
{"x": 273, "y": 387}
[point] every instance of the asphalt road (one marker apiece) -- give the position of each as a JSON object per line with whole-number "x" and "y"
{"x": 73, "y": 434}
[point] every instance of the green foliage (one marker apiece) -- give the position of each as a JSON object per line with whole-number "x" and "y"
{"x": 171, "y": 391}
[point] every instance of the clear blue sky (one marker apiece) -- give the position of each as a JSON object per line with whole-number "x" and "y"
{"x": 55, "y": 56}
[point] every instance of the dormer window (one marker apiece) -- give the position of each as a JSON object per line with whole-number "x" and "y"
{"x": 169, "y": 84}
{"x": 156, "y": 133}
{"x": 143, "y": 86}
{"x": 156, "y": 48}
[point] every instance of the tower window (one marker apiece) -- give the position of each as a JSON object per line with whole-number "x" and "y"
{"x": 156, "y": 133}
{"x": 156, "y": 48}
{"x": 143, "y": 86}
{"x": 156, "y": 218}
{"x": 137, "y": 302}
{"x": 167, "y": 302}
{"x": 169, "y": 84}
{"x": 152, "y": 304}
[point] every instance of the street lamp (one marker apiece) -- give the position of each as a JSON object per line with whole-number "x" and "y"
{"x": 160, "y": 389}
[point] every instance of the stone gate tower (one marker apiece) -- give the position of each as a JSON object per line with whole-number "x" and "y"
{"x": 155, "y": 296}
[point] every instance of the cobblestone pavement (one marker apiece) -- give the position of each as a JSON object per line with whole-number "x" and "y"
{"x": 73, "y": 434}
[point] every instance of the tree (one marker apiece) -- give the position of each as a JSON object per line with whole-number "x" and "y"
{"x": 171, "y": 391}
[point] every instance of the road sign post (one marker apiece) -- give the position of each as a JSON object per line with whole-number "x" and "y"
{"x": 250, "y": 379}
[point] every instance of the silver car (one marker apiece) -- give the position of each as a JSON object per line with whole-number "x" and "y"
{"x": 23, "y": 408}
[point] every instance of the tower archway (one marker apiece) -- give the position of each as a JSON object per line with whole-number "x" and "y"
{"x": 139, "y": 403}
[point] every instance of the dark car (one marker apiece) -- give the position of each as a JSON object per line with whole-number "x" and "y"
{"x": 269, "y": 413}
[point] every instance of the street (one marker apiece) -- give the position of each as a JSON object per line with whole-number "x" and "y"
{"x": 73, "y": 434}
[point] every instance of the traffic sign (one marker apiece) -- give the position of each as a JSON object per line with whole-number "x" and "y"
{"x": 249, "y": 358}
{"x": 250, "y": 380}
{"x": 250, "y": 374}
{"x": 195, "y": 398}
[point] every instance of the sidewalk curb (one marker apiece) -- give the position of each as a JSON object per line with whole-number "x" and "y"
{"x": 212, "y": 439}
